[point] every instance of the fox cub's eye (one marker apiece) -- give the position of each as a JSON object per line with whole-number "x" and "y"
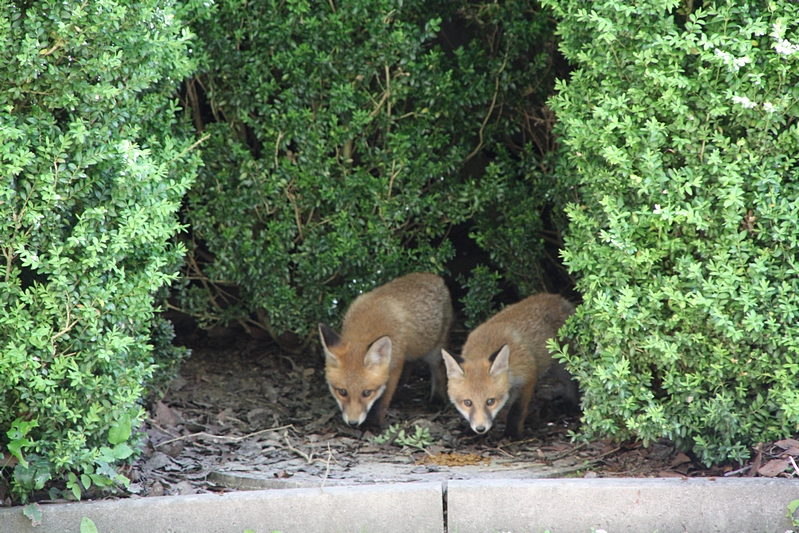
{"x": 467, "y": 403}
{"x": 367, "y": 393}
{"x": 343, "y": 392}
{"x": 490, "y": 401}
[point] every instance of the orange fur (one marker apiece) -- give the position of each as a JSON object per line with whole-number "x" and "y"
{"x": 502, "y": 361}
{"x": 408, "y": 318}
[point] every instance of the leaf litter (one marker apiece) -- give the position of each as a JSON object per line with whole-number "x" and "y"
{"x": 243, "y": 415}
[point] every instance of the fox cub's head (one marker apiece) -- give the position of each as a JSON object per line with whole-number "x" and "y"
{"x": 356, "y": 374}
{"x": 479, "y": 388}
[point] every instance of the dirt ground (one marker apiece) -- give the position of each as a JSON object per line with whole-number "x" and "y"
{"x": 243, "y": 415}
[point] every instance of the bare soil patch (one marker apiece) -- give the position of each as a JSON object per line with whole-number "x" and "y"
{"x": 244, "y": 415}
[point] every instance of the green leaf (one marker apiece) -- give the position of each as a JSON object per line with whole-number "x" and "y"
{"x": 15, "y": 447}
{"x": 120, "y": 432}
{"x": 34, "y": 513}
{"x": 87, "y": 526}
{"x": 122, "y": 451}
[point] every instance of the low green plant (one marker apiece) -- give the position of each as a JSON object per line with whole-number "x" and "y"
{"x": 395, "y": 434}
{"x": 791, "y": 514}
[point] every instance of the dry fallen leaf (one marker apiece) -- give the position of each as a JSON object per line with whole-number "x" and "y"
{"x": 773, "y": 467}
{"x": 787, "y": 443}
{"x": 165, "y": 416}
{"x": 680, "y": 459}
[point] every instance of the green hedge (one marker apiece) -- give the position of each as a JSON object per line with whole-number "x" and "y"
{"x": 680, "y": 133}
{"x": 93, "y": 170}
{"x": 348, "y": 138}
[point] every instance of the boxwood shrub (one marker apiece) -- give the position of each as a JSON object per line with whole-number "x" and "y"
{"x": 679, "y": 130}
{"x": 93, "y": 167}
{"x": 348, "y": 138}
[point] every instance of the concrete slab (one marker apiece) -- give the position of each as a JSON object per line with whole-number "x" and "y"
{"x": 479, "y": 506}
{"x": 621, "y": 505}
{"x": 408, "y": 508}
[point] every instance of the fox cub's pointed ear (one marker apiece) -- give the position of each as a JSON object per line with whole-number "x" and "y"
{"x": 499, "y": 361}
{"x": 454, "y": 369}
{"x": 329, "y": 338}
{"x": 379, "y": 353}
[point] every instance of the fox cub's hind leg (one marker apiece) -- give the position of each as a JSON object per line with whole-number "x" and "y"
{"x": 438, "y": 377}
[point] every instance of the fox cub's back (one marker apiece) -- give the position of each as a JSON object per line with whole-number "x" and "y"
{"x": 415, "y": 311}
{"x": 528, "y": 323}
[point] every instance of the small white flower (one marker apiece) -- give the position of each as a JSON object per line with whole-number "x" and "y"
{"x": 782, "y": 45}
{"x": 732, "y": 62}
{"x": 744, "y": 101}
{"x": 656, "y": 210}
{"x": 768, "y": 106}
{"x": 725, "y": 56}
{"x": 786, "y": 47}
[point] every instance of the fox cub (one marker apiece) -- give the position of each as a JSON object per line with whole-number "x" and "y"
{"x": 502, "y": 360}
{"x": 406, "y": 319}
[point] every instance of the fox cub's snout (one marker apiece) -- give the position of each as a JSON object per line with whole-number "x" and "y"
{"x": 408, "y": 318}
{"x": 502, "y": 360}
{"x": 355, "y": 381}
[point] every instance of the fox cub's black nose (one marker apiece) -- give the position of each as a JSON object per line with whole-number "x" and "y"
{"x": 353, "y": 423}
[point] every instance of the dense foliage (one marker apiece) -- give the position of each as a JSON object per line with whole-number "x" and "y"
{"x": 679, "y": 128}
{"x": 93, "y": 172}
{"x": 348, "y": 138}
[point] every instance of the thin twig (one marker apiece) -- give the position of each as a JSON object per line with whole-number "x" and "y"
{"x": 162, "y": 429}
{"x": 327, "y": 466}
{"x": 490, "y": 109}
{"x": 739, "y": 471}
{"x": 192, "y": 147}
{"x": 576, "y": 448}
{"x": 793, "y": 464}
{"x": 308, "y": 458}
{"x": 376, "y": 110}
{"x": 393, "y": 175}
{"x": 229, "y": 439}
{"x": 500, "y": 450}
{"x": 277, "y": 150}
